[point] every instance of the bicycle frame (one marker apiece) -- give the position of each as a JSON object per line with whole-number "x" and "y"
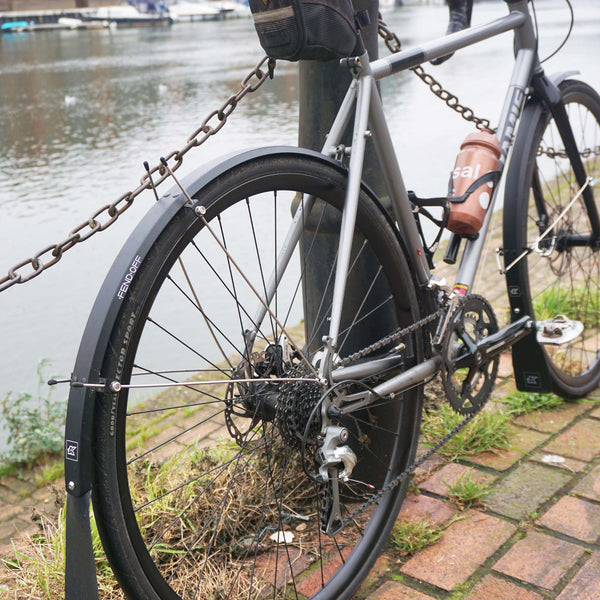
{"x": 362, "y": 99}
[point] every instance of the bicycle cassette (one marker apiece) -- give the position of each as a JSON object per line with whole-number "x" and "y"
{"x": 467, "y": 377}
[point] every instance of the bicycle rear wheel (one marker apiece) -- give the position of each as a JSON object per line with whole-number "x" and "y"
{"x": 199, "y": 489}
{"x": 562, "y": 274}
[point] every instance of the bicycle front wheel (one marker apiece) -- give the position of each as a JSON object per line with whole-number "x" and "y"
{"x": 202, "y": 490}
{"x": 561, "y": 276}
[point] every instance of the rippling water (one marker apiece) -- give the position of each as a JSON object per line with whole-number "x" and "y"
{"x": 81, "y": 110}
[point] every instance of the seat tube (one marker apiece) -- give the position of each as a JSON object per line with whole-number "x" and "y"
{"x": 363, "y": 99}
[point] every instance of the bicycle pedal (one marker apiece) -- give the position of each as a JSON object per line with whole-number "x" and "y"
{"x": 558, "y": 331}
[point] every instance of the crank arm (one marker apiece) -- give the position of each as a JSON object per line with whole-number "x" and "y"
{"x": 498, "y": 342}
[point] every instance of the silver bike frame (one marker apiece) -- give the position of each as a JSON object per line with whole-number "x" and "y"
{"x": 362, "y": 99}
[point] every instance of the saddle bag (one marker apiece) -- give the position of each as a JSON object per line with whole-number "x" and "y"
{"x": 306, "y": 29}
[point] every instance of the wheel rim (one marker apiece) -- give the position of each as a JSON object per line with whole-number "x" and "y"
{"x": 217, "y": 500}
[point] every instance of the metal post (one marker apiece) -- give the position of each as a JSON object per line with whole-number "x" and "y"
{"x": 322, "y": 89}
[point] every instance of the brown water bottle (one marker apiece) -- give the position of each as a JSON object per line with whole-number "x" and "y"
{"x": 479, "y": 154}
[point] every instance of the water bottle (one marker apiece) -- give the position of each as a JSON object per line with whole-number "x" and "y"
{"x": 479, "y": 154}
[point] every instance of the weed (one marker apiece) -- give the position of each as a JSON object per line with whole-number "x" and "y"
{"x": 35, "y": 567}
{"x": 35, "y": 428}
{"x": 522, "y": 403}
{"x": 410, "y": 537}
{"x": 487, "y": 431}
{"x": 465, "y": 492}
{"x": 49, "y": 472}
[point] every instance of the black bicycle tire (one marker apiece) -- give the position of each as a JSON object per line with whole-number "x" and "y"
{"x": 112, "y": 505}
{"x": 535, "y": 121}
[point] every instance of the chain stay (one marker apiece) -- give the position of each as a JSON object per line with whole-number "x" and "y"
{"x": 104, "y": 217}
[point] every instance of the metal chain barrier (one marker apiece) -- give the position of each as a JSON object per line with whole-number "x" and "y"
{"x": 105, "y": 216}
{"x": 394, "y": 45}
{"x": 551, "y": 152}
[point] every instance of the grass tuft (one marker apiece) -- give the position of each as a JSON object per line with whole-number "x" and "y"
{"x": 522, "y": 403}
{"x": 488, "y": 431}
{"x": 465, "y": 492}
{"x": 410, "y": 537}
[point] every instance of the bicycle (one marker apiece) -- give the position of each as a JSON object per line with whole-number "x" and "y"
{"x": 276, "y": 456}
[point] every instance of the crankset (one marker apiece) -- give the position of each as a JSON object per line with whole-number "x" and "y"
{"x": 468, "y": 373}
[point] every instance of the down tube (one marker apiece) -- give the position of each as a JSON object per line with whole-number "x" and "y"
{"x": 396, "y": 189}
{"x": 513, "y": 105}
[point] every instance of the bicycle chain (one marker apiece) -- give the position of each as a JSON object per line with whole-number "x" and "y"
{"x": 394, "y": 46}
{"x": 392, "y": 337}
{"x": 409, "y": 470}
{"x": 211, "y": 125}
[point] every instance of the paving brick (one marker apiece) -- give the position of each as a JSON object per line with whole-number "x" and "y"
{"x": 394, "y": 590}
{"x": 553, "y": 421}
{"x": 9, "y": 512}
{"x": 271, "y": 565}
{"x": 539, "y": 559}
{"x": 7, "y": 531}
{"x": 581, "y": 441}
{"x": 596, "y": 413}
{"x": 505, "y": 368}
{"x": 464, "y": 546}
{"x": 521, "y": 441}
{"x": 525, "y": 489}
{"x": 20, "y": 487}
{"x": 450, "y": 474}
{"x": 311, "y": 584}
{"x": 589, "y": 486}
{"x": 7, "y": 496}
{"x": 428, "y": 467}
{"x": 437, "y": 512}
{"x": 43, "y": 494}
{"x": 197, "y": 433}
{"x": 380, "y": 569}
{"x": 494, "y": 588}
{"x": 558, "y": 462}
{"x": 574, "y": 517}
{"x": 586, "y": 583}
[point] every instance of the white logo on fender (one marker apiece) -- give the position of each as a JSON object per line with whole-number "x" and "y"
{"x": 135, "y": 265}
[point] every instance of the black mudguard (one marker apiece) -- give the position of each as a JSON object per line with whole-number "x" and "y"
{"x": 80, "y": 576}
{"x": 529, "y": 361}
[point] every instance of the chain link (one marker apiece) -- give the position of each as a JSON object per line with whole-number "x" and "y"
{"x": 553, "y": 153}
{"x": 105, "y": 216}
{"x": 394, "y": 45}
{"x": 392, "y": 337}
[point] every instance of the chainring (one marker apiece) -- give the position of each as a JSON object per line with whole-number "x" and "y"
{"x": 468, "y": 380}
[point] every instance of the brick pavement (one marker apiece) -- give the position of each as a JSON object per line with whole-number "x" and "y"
{"x": 536, "y": 536}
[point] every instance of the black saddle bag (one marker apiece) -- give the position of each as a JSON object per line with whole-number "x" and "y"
{"x": 306, "y": 29}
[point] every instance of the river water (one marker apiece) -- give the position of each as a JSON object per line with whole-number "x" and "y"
{"x": 81, "y": 111}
